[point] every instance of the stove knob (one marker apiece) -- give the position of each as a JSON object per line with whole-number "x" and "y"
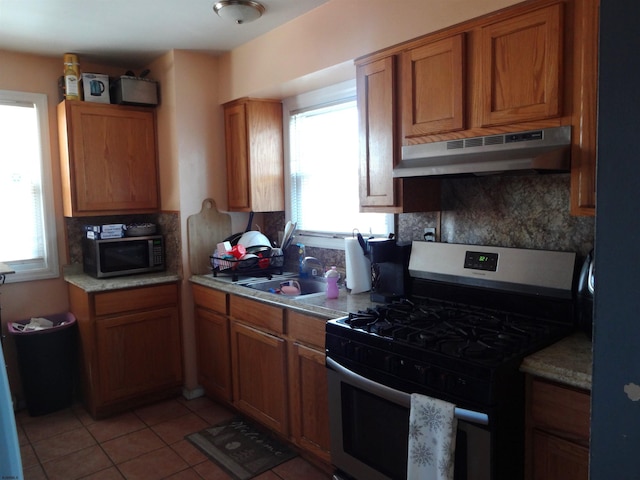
{"x": 348, "y": 348}
{"x": 358, "y": 353}
{"x": 388, "y": 363}
{"x": 422, "y": 374}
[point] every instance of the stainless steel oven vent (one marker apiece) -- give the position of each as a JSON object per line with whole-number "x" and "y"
{"x": 542, "y": 151}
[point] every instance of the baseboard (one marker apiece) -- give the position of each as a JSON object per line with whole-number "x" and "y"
{"x": 194, "y": 393}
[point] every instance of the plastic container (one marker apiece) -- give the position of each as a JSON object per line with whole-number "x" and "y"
{"x": 332, "y": 277}
{"x": 47, "y": 361}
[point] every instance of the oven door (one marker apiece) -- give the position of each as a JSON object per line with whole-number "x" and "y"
{"x": 369, "y": 425}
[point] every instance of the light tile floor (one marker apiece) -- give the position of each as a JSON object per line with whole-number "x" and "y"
{"x": 143, "y": 444}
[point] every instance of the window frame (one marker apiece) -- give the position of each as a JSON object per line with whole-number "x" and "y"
{"x": 31, "y": 270}
{"x": 333, "y": 94}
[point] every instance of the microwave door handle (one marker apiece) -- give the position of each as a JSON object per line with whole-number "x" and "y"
{"x": 150, "y": 250}
{"x": 398, "y": 397}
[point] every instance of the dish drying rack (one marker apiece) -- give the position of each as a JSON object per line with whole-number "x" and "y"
{"x": 251, "y": 267}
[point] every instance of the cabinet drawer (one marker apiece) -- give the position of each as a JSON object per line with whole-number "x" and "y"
{"x": 211, "y": 299}
{"x": 560, "y": 409}
{"x": 256, "y": 313}
{"x": 143, "y": 298}
{"x": 306, "y": 329}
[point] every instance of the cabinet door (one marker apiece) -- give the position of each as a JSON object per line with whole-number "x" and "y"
{"x": 376, "y": 114}
{"x": 266, "y": 155}
{"x": 138, "y": 353}
{"x": 521, "y": 68}
{"x": 235, "y": 125}
{"x": 254, "y": 151}
{"x": 214, "y": 357}
{"x": 377, "y": 110}
{"x": 112, "y": 159}
{"x": 584, "y": 148}
{"x": 433, "y": 94}
{"x": 309, "y": 400}
{"x": 259, "y": 376}
{"x": 556, "y": 458}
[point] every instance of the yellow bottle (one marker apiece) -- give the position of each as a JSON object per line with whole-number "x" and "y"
{"x": 71, "y": 77}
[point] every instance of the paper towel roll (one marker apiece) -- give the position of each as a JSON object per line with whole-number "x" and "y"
{"x": 358, "y": 266}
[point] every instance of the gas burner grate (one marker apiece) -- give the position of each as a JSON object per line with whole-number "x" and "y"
{"x": 456, "y": 330}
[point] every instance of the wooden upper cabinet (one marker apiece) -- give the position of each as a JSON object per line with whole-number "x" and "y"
{"x": 527, "y": 67}
{"x": 379, "y": 149}
{"x": 254, "y": 152}
{"x": 585, "y": 99}
{"x": 433, "y": 87}
{"x": 521, "y": 68}
{"x": 108, "y": 158}
{"x": 377, "y": 127}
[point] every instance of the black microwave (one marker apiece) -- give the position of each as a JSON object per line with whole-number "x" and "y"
{"x": 113, "y": 257}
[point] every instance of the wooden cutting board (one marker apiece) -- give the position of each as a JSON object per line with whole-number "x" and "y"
{"x": 204, "y": 231}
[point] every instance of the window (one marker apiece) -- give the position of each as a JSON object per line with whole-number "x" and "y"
{"x": 323, "y": 168}
{"x": 28, "y": 240}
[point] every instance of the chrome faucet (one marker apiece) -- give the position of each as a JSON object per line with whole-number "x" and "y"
{"x": 314, "y": 271}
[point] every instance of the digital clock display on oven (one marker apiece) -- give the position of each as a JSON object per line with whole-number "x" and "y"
{"x": 481, "y": 261}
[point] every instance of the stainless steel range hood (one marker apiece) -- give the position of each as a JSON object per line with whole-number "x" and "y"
{"x": 543, "y": 151}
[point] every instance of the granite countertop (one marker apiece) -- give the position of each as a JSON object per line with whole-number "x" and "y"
{"x": 75, "y": 276}
{"x": 313, "y": 304}
{"x": 568, "y": 361}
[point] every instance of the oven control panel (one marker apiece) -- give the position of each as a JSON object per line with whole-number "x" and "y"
{"x": 481, "y": 261}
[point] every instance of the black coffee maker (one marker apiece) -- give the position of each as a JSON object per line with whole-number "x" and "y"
{"x": 390, "y": 278}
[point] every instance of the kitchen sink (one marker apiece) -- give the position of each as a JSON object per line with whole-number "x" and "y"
{"x": 308, "y": 286}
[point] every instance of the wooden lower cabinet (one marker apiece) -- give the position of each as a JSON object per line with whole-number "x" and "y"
{"x": 557, "y": 458}
{"x": 308, "y": 390}
{"x": 131, "y": 347}
{"x": 268, "y": 362}
{"x": 138, "y": 353}
{"x": 309, "y": 400}
{"x": 259, "y": 376}
{"x": 213, "y": 342}
{"x": 214, "y": 357}
{"x": 558, "y": 419}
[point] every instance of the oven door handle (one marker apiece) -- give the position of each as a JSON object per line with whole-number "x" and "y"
{"x": 397, "y": 396}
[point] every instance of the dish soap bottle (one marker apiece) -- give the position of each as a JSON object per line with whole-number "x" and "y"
{"x": 332, "y": 276}
{"x": 301, "y": 254}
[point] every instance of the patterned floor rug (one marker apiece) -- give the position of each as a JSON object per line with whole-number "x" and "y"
{"x": 241, "y": 448}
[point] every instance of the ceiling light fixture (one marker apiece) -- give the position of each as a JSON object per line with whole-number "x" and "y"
{"x": 239, "y": 11}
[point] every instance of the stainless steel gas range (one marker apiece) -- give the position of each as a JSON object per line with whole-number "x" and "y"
{"x": 473, "y": 314}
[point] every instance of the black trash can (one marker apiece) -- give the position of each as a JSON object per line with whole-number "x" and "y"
{"x": 47, "y": 361}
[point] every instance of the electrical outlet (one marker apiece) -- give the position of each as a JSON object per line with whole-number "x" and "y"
{"x": 430, "y": 234}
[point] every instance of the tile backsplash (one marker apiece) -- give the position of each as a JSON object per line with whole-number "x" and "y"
{"x": 523, "y": 211}
{"x": 168, "y": 225}
{"x": 527, "y": 211}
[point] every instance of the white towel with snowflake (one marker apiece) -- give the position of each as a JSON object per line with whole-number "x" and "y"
{"x": 432, "y": 439}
